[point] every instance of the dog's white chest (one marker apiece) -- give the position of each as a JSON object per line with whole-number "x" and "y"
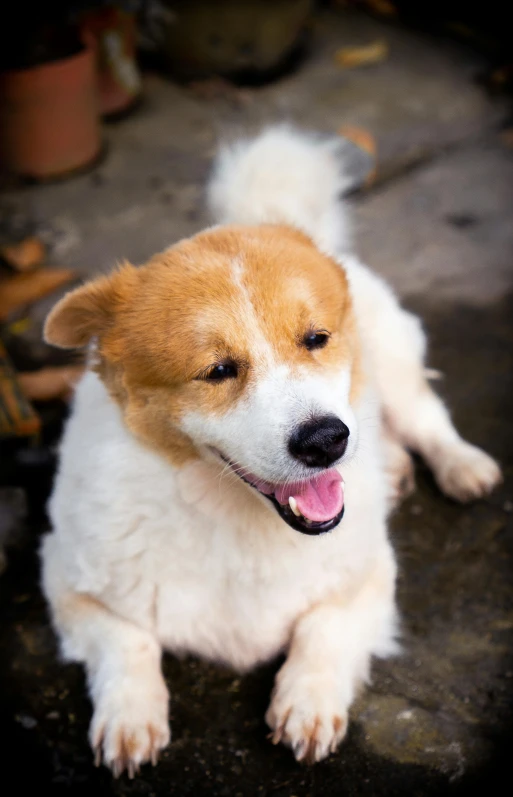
{"x": 232, "y": 589}
{"x": 225, "y": 601}
{"x": 228, "y": 577}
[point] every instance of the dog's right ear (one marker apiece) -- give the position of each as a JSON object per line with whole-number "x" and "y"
{"x": 90, "y": 311}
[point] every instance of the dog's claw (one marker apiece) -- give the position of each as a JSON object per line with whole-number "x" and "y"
{"x": 299, "y": 750}
{"x": 276, "y": 736}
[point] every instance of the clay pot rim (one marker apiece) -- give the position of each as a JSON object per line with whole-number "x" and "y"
{"x": 85, "y": 50}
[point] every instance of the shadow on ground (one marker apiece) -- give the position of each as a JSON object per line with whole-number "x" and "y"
{"x": 434, "y": 721}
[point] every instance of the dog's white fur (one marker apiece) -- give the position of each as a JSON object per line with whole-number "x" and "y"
{"x": 145, "y": 556}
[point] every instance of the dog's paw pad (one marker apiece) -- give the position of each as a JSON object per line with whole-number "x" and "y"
{"x": 130, "y": 729}
{"x": 466, "y": 473}
{"x": 307, "y": 718}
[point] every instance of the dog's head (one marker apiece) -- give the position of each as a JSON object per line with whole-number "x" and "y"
{"x": 241, "y": 344}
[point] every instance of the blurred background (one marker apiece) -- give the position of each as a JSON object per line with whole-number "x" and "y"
{"x": 110, "y": 115}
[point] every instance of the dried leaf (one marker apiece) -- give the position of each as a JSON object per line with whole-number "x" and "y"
{"x": 25, "y": 255}
{"x": 365, "y": 141}
{"x": 350, "y": 57}
{"x": 361, "y": 137}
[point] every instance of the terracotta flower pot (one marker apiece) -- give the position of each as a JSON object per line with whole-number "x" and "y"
{"x": 49, "y": 122}
{"x": 200, "y": 38}
{"x": 111, "y": 32}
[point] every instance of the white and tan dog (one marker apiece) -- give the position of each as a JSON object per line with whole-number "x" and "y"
{"x": 232, "y": 454}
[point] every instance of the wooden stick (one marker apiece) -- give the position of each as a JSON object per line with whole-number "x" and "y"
{"x": 17, "y": 417}
{"x": 51, "y": 382}
{"x": 22, "y": 289}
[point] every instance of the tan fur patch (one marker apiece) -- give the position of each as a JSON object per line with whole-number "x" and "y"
{"x": 244, "y": 294}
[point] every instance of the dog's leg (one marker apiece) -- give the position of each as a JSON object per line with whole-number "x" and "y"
{"x": 415, "y": 415}
{"x": 130, "y": 699}
{"x": 420, "y": 420}
{"x": 328, "y": 659}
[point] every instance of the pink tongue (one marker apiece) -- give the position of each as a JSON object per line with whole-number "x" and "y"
{"x": 319, "y": 499}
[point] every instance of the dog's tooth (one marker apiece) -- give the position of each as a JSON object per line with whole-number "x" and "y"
{"x": 293, "y": 506}
{"x": 308, "y": 521}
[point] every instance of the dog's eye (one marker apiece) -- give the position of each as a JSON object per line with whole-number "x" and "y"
{"x": 315, "y": 340}
{"x": 222, "y": 371}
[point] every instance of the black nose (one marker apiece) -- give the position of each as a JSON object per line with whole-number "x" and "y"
{"x": 320, "y": 442}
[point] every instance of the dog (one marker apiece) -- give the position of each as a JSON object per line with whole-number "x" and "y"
{"x": 233, "y": 454}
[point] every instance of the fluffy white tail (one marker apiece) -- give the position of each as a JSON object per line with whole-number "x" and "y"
{"x": 283, "y": 176}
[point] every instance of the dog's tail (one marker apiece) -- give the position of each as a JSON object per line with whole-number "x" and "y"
{"x": 283, "y": 176}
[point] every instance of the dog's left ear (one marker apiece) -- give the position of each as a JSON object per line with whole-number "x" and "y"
{"x": 90, "y": 311}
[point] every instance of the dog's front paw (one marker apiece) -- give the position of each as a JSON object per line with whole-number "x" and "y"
{"x": 307, "y": 714}
{"x": 130, "y": 725}
{"x": 465, "y": 473}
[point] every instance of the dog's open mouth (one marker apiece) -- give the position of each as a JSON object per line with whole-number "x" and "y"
{"x": 312, "y": 507}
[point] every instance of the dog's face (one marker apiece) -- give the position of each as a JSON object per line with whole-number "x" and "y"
{"x": 238, "y": 344}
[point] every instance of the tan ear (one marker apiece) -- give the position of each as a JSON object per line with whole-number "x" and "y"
{"x": 89, "y": 311}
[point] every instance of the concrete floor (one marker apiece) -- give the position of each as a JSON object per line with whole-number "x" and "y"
{"x": 438, "y": 225}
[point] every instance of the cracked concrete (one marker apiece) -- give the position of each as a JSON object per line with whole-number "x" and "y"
{"x": 438, "y": 225}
